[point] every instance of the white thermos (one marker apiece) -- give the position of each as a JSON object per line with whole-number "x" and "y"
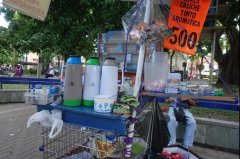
{"x": 109, "y": 78}
{"x": 92, "y": 81}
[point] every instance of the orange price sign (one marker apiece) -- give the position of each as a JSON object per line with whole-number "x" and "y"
{"x": 186, "y": 18}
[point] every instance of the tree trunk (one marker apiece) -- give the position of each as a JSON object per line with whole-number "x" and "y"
{"x": 39, "y": 67}
{"x": 229, "y": 62}
{"x": 201, "y": 68}
{"x": 191, "y": 69}
{"x": 58, "y": 63}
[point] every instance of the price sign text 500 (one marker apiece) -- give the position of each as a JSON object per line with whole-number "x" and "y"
{"x": 183, "y": 38}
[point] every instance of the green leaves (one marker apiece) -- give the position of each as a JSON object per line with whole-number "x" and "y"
{"x": 71, "y": 27}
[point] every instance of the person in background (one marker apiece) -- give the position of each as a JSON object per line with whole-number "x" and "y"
{"x": 21, "y": 70}
{"x": 181, "y": 103}
{"x": 50, "y": 72}
{"x": 18, "y": 71}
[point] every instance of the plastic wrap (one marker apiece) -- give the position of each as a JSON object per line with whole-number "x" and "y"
{"x": 139, "y": 31}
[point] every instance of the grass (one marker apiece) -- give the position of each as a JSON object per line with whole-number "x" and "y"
{"x": 15, "y": 86}
{"x": 215, "y": 113}
{"x": 234, "y": 89}
{"x": 20, "y": 86}
{"x": 210, "y": 113}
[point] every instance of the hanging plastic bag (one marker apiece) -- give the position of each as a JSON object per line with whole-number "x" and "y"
{"x": 56, "y": 128}
{"x": 42, "y": 117}
{"x": 145, "y": 23}
{"x": 57, "y": 123}
{"x": 47, "y": 119}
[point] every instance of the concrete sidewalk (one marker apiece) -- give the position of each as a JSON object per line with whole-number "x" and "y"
{"x": 18, "y": 142}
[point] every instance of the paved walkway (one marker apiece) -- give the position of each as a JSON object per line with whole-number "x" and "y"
{"x": 18, "y": 142}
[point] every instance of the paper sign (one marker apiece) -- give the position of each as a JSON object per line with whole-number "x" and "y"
{"x": 34, "y": 8}
{"x": 187, "y": 18}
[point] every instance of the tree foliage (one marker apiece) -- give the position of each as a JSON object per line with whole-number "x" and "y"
{"x": 70, "y": 27}
{"x": 7, "y": 53}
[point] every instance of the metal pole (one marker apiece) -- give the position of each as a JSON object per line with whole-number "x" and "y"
{"x": 212, "y": 56}
{"x": 98, "y": 45}
{"x": 137, "y": 83}
{"x": 0, "y": 82}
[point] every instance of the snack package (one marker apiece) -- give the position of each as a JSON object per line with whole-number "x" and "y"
{"x": 134, "y": 23}
{"x": 105, "y": 149}
{"x": 121, "y": 109}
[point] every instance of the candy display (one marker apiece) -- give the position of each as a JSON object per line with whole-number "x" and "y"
{"x": 144, "y": 33}
{"x": 140, "y": 31}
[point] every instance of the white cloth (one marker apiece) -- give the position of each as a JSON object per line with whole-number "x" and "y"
{"x": 51, "y": 72}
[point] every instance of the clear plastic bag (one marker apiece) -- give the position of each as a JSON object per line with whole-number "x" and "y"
{"x": 47, "y": 119}
{"x": 145, "y": 23}
{"x": 57, "y": 123}
{"x": 42, "y": 117}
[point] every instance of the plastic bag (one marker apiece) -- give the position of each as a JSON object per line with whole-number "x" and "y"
{"x": 145, "y": 23}
{"x": 47, "y": 119}
{"x": 57, "y": 123}
{"x": 180, "y": 115}
{"x": 42, "y": 117}
{"x": 179, "y": 151}
{"x": 56, "y": 128}
{"x": 83, "y": 154}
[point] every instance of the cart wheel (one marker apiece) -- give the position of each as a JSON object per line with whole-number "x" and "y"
{"x": 41, "y": 148}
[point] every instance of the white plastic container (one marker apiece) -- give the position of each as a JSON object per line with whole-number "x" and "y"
{"x": 174, "y": 78}
{"x": 39, "y": 99}
{"x": 127, "y": 88}
{"x": 171, "y": 90}
{"x": 172, "y": 85}
{"x": 155, "y": 76}
{"x": 160, "y": 57}
{"x": 156, "y": 72}
{"x": 103, "y": 103}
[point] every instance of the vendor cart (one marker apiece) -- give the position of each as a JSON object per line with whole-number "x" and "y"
{"x": 88, "y": 134}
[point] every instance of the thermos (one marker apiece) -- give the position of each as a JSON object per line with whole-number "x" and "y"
{"x": 91, "y": 81}
{"x": 109, "y": 78}
{"x": 73, "y": 82}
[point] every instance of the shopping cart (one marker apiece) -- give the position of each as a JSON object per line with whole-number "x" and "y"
{"x": 79, "y": 142}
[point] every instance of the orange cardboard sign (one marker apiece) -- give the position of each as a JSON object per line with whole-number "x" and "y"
{"x": 187, "y": 18}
